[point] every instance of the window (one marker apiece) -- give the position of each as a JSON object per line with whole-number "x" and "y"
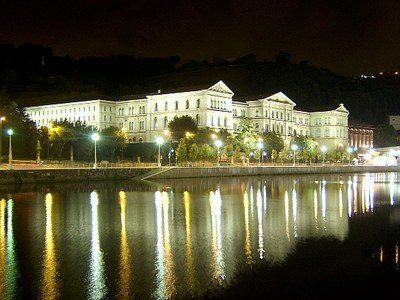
{"x": 219, "y": 121}
{"x": 156, "y": 107}
{"x": 141, "y": 125}
{"x": 176, "y": 105}
{"x": 165, "y": 122}
{"x": 257, "y": 127}
{"x": 198, "y": 103}
{"x": 197, "y": 119}
{"x": 187, "y": 104}
{"x": 155, "y": 123}
{"x": 266, "y": 113}
{"x": 166, "y": 106}
{"x": 225, "y": 122}
{"x": 105, "y": 118}
{"x": 256, "y": 113}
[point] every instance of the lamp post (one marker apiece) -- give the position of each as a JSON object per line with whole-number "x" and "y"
{"x": 259, "y": 146}
{"x": 159, "y": 141}
{"x": 10, "y": 133}
{"x": 95, "y": 138}
{"x": 1, "y": 135}
{"x": 349, "y": 150}
{"x": 323, "y": 149}
{"x": 218, "y": 143}
{"x": 294, "y": 148}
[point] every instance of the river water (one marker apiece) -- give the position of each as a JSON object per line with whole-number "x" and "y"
{"x": 178, "y": 238}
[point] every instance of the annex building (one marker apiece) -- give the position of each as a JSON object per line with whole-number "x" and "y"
{"x": 145, "y": 117}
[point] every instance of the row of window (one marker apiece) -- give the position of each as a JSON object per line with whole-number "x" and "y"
{"x": 142, "y": 109}
{"x": 68, "y": 110}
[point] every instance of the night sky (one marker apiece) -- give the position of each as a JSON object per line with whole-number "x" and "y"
{"x": 348, "y": 37}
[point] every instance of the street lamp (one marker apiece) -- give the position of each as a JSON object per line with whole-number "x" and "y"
{"x": 95, "y": 138}
{"x": 218, "y": 143}
{"x": 10, "y": 133}
{"x": 159, "y": 141}
{"x": 1, "y": 134}
{"x": 259, "y": 146}
{"x": 323, "y": 149}
{"x": 349, "y": 150}
{"x": 294, "y": 148}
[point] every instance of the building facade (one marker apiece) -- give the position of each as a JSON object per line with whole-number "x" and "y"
{"x": 145, "y": 117}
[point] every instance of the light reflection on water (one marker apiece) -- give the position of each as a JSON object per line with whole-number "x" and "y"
{"x": 176, "y": 238}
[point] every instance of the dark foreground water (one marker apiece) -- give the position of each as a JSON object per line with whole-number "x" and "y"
{"x": 180, "y": 238}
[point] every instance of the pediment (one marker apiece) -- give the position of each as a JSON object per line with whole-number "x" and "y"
{"x": 221, "y": 87}
{"x": 281, "y": 98}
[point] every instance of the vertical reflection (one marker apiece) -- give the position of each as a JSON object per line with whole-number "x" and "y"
{"x": 294, "y": 203}
{"x": 316, "y": 209}
{"x": 218, "y": 263}
{"x": 190, "y": 272}
{"x": 260, "y": 214}
{"x": 350, "y": 198}
{"x": 391, "y": 188}
{"x": 397, "y": 257}
{"x": 125, "y": 271}
{"x": 247, "y": 240}
{"x": 50, "y": 277}
{"x": 287, "y": 215}
{"x": 11, "y": 266}
{"x": 96, "y": 285}
{"x": 3, "y": 245}
{"x": 165, "y": 277}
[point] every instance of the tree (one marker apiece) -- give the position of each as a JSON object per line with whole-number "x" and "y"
{"x": 272, "y": 140}
{"x": 207, "y": 153}
{"x": 246, "y": 137}
{"x": 307, "y": 147}
{"x": 194, "y": 152}
{"x": 113, "y": 139}
{"x": 180, "y": 125}
{"x": 26, "y": 134}
{"x": 229, "y": 152}
{"x": 181, "y": 151}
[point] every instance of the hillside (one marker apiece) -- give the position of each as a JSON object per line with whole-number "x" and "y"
{"x": 32, "y": 75}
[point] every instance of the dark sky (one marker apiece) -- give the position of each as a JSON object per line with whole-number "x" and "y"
{"x": 348, "y": 37}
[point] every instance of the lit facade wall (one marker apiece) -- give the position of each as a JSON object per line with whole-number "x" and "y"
{"x": 146, "y": 117}
{"x": 96, "y": 113}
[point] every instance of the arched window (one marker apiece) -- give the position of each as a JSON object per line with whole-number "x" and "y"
{"x": 198, "y": 103}
{"x": 155, "y": 122}
{"x": 156, "y": 107}
{"x": 176, "y": 105}
{"x": 165, "y": 122}
{"x": 187, "y": 104}
{"x": 166, "y": 106}
{"x": 197, "y": 119}
{"x": 256, "y": 113}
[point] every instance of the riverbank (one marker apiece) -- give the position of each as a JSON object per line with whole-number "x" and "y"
{"x": 42, "y": 174}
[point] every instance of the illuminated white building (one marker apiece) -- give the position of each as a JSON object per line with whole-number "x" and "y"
{"x": 144, "y": 117}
